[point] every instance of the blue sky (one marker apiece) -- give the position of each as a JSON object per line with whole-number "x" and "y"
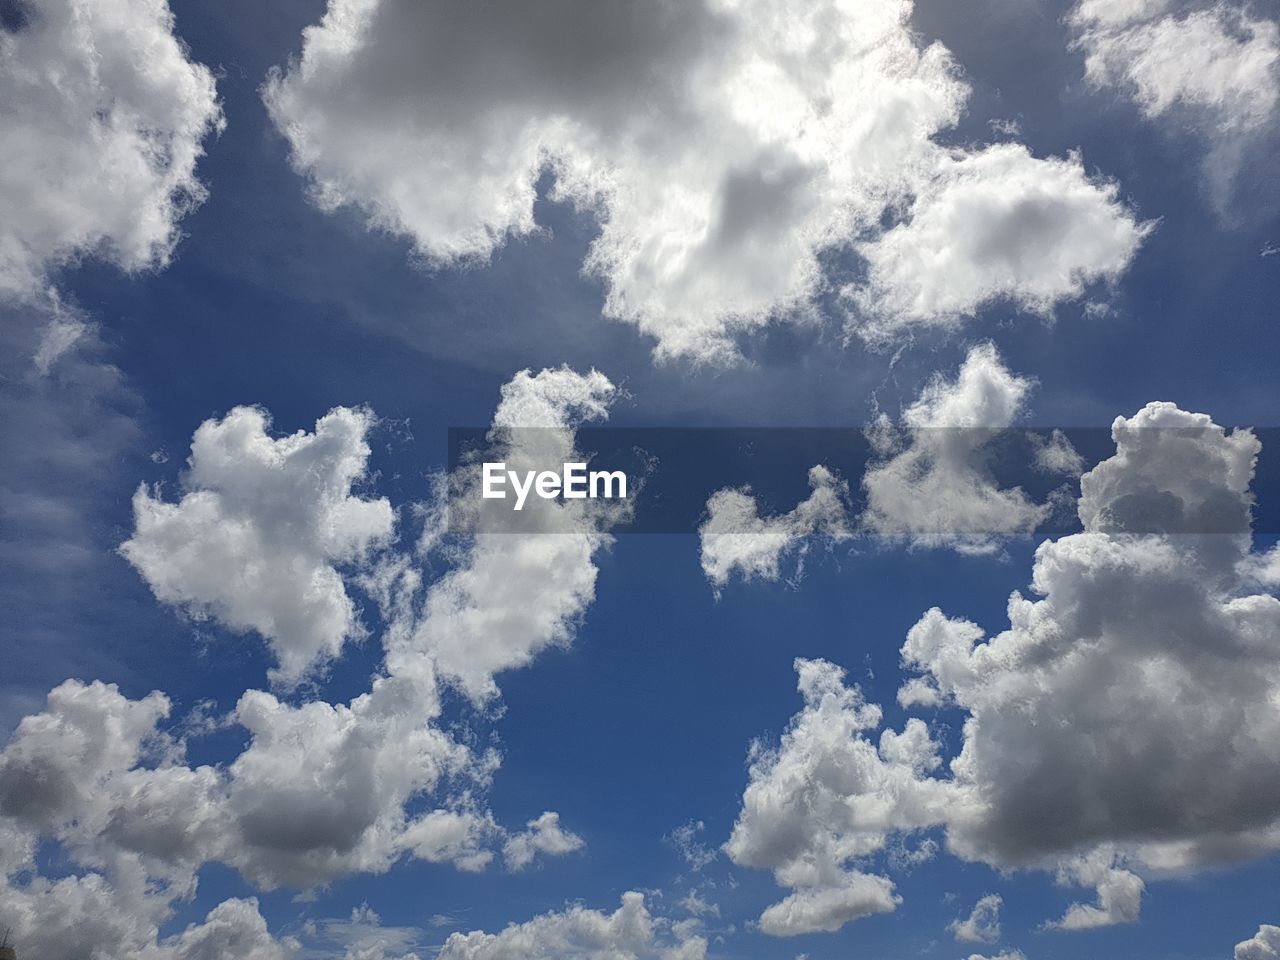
{"x": 1125, "y": 256}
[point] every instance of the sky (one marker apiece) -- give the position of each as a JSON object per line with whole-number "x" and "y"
{"x": 863, "y": 670}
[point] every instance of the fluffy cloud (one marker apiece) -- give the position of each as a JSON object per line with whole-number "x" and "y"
{"x": 543, "y": 835}
{"x": 321, "y": 790}
{"x": 104, "y": 118}
{"x": 629, "y": 933}
{"x": 735, "y": 539}
{"x": 827, "y": 795}
{"x": 522, "y": 582}
{"x": 994, "y": 225}
{"x": 939, "y": 490}
{"x": 720, "y": 146}
{"x": 1119, "y": 892}
{"x": 1265, "y": 945}
{"x": 1153, "y": 649}
{"x": 87, "y": 916}
{"x": 983, "y": 924}
{"x": 264, "y": 523}
{"x": 1118, "y": 727}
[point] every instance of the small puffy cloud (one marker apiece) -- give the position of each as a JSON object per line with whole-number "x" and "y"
{"x": 939, "y": 490}
{"x": 998, "y": 225}
{"x": 1264, "y": 945}
{"x": 104, "y": 118}
{"x": 1055, "y": 454}
{"x": 524, "y": 588}
{"x": 827, "y": 908}
{"x": 1119, "y": 892}
{"x": 828, "y": 795}
{"x": 735, "y": 539}
{"x": 629, "y": 933}
{"x": 542, "y": 835}
{"x": 983, "y": 924}
{"x": 261, "y": 530}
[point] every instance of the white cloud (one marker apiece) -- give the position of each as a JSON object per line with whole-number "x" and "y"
{"x": 524, "y": 588}
{"x": 990, "y": 226}
{"x": 543, "y": 835}
{"x": 720, "y": 147}
{"x": 1264, "y": 945}
{"x": 87, "y": 916}
{"x": 1117, "y": 729}
{"x": 1219, "y": 59}
{"x": 1119, "y": 892}
{"x": 321, "y": 790}
{"x": 939, "y": 490}
{"x": 1210, "y": 67}
{"x": 1055, "y": 454}
{"x": 825, "y": 909}
{"x": 1153, "y": 650}
{"x": 799, "y": 818}
{"x": 104, "y": 118}
{"x": 736, "y": 539}
{"x": 629, "y": 933}
{"x": 983, "y": 924}
{"x": 261, "y": 529}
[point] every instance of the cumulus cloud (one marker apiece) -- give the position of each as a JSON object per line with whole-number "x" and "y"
{"x": 990, "y": 226}
{"x": 321, "y": 790}
{"x": 1119, "y": 892}
{"x": 1265, "y": 945}
{"x": 720, "y": 147}
{"x": 261, "y": 530}
{"x": 522, "y": 583}
{"x": 1116, "y": 730}
{"x": 87, "y": 916}
{"x": 104, "y": 118}
{"x": 983, "y": 924}
{"x": 937, "y": 488}
{"x": 1152, "y": 646}
{"x": 629, "y": 933}
{"x": 542, "y": 835}
{"x": 735, "y": 539}
{"x": 799, "y": 818}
